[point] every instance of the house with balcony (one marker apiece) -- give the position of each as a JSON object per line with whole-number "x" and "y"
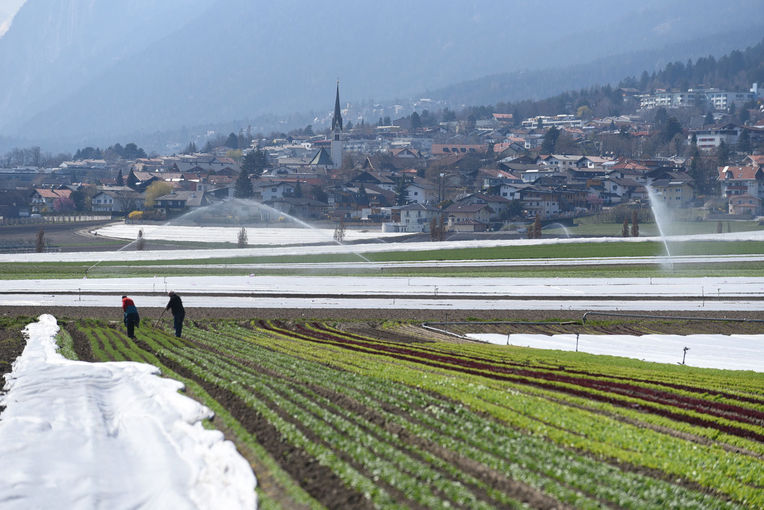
{"x": 468, "y": 217}
{"x": 416, "y": 217}
{"x": 675, "y": 192}
{"x": 745, "y": 205}
{"x": 741, "y": 180}
{"x": 539, "y": 201}
{"x": 45, "y": 200}
{"x": 117, "y": 200}
{"x": 710, "y": 139}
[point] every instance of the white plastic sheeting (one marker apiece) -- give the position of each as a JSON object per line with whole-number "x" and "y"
{"x": 81, "y": 435}
{"x": 733, "y": 352}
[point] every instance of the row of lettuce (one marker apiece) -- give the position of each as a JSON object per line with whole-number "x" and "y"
{"x": 430, "y": 424}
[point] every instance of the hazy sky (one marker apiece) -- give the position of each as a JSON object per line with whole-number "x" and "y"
{"x": 7, "y": 9}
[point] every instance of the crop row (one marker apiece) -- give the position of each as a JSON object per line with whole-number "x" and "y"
{"x": 534, "y": 456}
{"x": 729, "y": 418}
{"x": 734, "y": 471}
{"x": 363, "y": 415}
{"x": 736, "y": 388}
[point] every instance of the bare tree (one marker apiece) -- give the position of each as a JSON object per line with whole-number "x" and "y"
{"x": 39, "y": 245}
{"x": 339, "y": 232}
{"x": 634, "y": 223}
{"x": 625, "y": 228}
{"x": 437, "y": 228}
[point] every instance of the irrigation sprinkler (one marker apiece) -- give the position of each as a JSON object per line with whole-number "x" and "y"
{"x": 508, "y": 339}
{"x": 684, "y": 354}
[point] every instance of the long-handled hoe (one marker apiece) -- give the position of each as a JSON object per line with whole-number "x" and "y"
{"x": 156, "y": 324}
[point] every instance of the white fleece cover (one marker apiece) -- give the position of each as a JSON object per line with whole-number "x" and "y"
{"x": 729, "y": 352}
{"x": 81, "y": 435}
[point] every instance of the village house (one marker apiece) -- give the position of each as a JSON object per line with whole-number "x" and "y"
{"x": 745, "y": 205}
{"x": 741, "y": 180}
{"x": 711, "y": 138}
{"x": 617, "y": 190}
{"x": 14, "y": 204}
{"x": 181, "y": 201}
{"x": 416, "y": 217}
{"x": 375, "y": 178}
{"x": 44, "y": 200}
{"x": 468, "y": 217}
{"x": 540, "y": 202}
{"x": 494, "y": 177}
{"x": 421, "y": 191}
{"x": 563, "y": 162}
{"x": 512, "y": 191}
{"x": 675, "y": 192}
{"x": 500, "y": 206}
{"x": 300, "y": 207}
{"x": 117, "y": 200}
{"x": 440, "y": 149}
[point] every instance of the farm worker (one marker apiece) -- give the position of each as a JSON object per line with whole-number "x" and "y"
{"x": 178, "y": 312}
{"x": 132, "y": 319}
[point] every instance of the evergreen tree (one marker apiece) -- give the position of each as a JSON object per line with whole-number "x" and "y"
{"x": 132, "y": 151}
{"x": 255, "y": 162}
{"x": 190, "y": 148}
{"x": 722, "y": 154}
{"x": 120, "y": 181}
{"x": 661, "y": 117}
{"x": 550, "y": 140}
{"x": 401, "y": 192}
{"x": 709, "y": 119}
{"x": 241, "y": 240}
{"x": 744, "y": 142}
{"x": 243, "y": 186}
{"x": 670, "y": 128}
{"x": 232, "y": 141}
{"x": 416, "y": 121}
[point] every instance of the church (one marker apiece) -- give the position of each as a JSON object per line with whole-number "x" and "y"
{"x": 336, "y": 147}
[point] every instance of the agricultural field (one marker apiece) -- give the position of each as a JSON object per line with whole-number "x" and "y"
{"x": 335, "y": 414}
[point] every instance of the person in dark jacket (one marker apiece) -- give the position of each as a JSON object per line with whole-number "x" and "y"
{"x": 178, "y": 312}
{"x": 132, "y": 319}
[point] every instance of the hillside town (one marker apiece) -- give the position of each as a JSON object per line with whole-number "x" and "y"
{"x": 432, "y": 172}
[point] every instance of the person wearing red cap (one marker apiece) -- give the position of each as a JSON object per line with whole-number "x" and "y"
{"x": 132, "y": 319}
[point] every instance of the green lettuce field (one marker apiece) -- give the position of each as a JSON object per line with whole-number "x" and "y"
{"x": 333, "y": 418}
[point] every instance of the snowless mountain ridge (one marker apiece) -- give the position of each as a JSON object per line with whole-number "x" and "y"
{"x": 83, "y": 68}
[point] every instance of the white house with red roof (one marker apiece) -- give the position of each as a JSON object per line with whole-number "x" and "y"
{"x": 741, "y": 180}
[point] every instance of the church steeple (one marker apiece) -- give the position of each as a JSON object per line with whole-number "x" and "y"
{"x": 336, "y": 144}
{"x": 337, "y": 118}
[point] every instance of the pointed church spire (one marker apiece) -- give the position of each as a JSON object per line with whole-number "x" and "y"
{"x": 337, "y": 119}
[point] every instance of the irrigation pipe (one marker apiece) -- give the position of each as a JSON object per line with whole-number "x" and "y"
{"x": 429, "y": 326}
{"x": 446, "y": 332}
{"x": 670, "y": 317}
